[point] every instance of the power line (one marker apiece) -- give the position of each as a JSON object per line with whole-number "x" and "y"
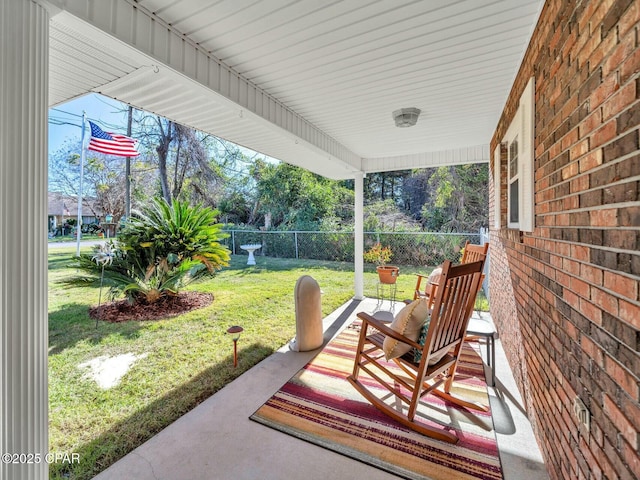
{"x": 59, "y": 121}
{"x": 67, "y": 113}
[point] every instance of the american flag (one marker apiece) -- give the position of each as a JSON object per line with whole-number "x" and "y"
{"x": 111, "y": 143}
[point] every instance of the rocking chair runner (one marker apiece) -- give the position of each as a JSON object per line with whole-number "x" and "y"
{"x": 445, "y": 336}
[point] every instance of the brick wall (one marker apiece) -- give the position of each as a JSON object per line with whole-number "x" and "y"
{"x": 566, "y": 298}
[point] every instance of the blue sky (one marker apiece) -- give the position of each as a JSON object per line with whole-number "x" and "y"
{"x": 102, "y": 110}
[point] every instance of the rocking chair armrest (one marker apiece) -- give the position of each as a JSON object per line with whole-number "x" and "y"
{"x": 419, "y": 280}
{"x": 425, "y": 277}
{"x": 385, "y": 329}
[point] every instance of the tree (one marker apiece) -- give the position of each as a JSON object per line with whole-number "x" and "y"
{"x": 459, "y": 198}
{"x": 187, "y": 165}
{"x": 385, "y": 185}
{"x": 386, "y": 216}
{"x": 296, "y": 198}
{"x": 103, "y": 178}
{"x": 416, "y": 191}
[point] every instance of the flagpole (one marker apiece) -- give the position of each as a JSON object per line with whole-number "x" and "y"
{"x": 82, "y": 159}
{"x": 127, "y": 172}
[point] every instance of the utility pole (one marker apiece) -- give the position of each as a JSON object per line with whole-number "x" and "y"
{"x": 127, "y": 171}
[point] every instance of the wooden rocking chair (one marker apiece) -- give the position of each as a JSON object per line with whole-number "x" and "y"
{"x": 472, "y": 253}
{"x": 445, "y": 336}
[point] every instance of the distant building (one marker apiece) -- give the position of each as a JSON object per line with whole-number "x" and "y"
{"x": 63, "y": 207}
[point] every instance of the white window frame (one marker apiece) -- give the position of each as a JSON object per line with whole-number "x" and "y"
{"x": 513, "y": 141}
{"x": 521, "y": 130}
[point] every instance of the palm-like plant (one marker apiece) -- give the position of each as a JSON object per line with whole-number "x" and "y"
{"x": 162, "y": 249}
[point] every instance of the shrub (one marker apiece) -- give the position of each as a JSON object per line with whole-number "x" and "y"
{"x": 162, "y": 249}
{"x": 378, "y": 254}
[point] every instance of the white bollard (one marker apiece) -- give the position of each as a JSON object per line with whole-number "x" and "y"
{"x": 309, "y": 335}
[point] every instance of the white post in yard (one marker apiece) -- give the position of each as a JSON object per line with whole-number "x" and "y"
{"x": 24, "y": 76}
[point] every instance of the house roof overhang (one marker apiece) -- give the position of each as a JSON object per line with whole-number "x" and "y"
{"x": 312, "y": 84}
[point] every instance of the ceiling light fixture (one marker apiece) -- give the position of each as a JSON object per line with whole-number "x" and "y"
{"x": 406, "y": 117}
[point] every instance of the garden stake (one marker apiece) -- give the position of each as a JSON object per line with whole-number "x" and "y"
{"x": 235, "y": 330}
{"x": 103, "y": 256}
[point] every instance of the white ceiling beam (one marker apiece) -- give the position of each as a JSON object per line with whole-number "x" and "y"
{"x": 460, "y": 156}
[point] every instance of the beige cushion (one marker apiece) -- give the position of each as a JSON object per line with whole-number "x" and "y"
{"x": 407, "y": 322}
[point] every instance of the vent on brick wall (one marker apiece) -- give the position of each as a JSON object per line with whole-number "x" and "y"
{"x": 582, "y": 414}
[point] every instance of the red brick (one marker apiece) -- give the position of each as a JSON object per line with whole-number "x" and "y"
{"x": 621, "y": 146}
{"x": 594, "y": 472}
{"x": 590, "y": 123}
{"x": 627, "y": 22}
{"x": 625, "y": 286}
{"x": 591, "y": 160}
{"x": 630, "y": 66}
{"x": 606, "y": 217}
{"x": 580, "y": 252}
{"x": 629, "y": 118}
{"x": 606, "y": 301}
{"x": 579, "y": 149}
{"x": 579, "y": 184}
{"x": 571, "y": 298}
{"x": 555, "y": 149}
{"x": 580, "y": 287}
{"x": 607, "y": 467}
{"x": 571, "y": 266}
{"x": 569, "y": 107}
{"x": 620, "y": 53}
{"x": 570, "y": 330}
{"x": 631, "y": 409}
{"x": 630, "y": 313}
{"x": 620, "y": 421}
{"x": 618, "y": 102}
{"x": 593, "y": 350}
{"x": 570, "y": 138}
{"x": 605, "y": 17}
{"x": 541, "y": 183}
{"x": 604, "y": 134}
{"x": 622, "y": 376}
{"x": 604, "y": 91}
{"x": 591, "y": 274}
{"x": 585, "y": 18}
{"x": 570, "y": 170}
{"x": 586, "y": 56}
{"x": 570, "y": 203}
{"x": 562, "y": 279}
{"x": 593, "y": 51}
{"x": 631, "y": 457}
{"x": 591, "y": 311}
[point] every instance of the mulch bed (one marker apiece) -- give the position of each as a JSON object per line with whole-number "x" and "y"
{"x": 166, "y": 307}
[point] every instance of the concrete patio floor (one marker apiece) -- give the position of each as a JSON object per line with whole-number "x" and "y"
{"x": 216, "y": 440}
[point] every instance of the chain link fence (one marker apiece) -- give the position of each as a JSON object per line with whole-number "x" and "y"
{"x": 409, "y": 248}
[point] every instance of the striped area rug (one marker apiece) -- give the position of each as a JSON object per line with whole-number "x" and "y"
{"x": 320, "y": 406}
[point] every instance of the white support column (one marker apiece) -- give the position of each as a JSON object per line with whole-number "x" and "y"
{"x": 24, "y": 79}
{"x": 358, "y": 251}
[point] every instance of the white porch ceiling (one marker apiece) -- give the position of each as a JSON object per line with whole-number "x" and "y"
{"x": 307, "y": 81}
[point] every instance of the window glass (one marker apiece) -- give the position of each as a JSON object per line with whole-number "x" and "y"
{"x": 513, "y": 158}
{"x": 513, "y": 202}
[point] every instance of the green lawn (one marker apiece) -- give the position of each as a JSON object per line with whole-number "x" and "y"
{"x": 188, "y": 358}
{"x": 73, "y": 238}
